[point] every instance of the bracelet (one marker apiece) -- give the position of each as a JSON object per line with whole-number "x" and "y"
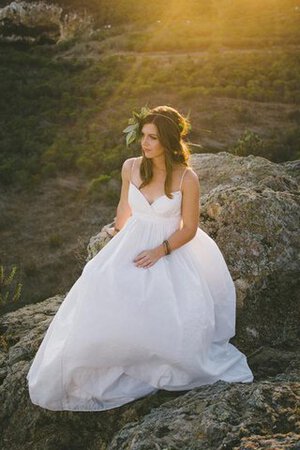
{"x": 167, "y": 247}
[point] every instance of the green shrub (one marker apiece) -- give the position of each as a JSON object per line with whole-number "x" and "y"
{"x": 99, "y": 181}
{"x": 52, "y": 109}
{"x": 283, "y": 145}
{"x": 249, "y": 143}
{"x": 97, "y": 185}
{"x": 10, "y": 288}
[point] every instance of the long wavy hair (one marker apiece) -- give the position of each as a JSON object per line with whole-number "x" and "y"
{"x": 170, "y": 135}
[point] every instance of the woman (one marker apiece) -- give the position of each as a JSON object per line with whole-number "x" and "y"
{"x": 155, "y": 308}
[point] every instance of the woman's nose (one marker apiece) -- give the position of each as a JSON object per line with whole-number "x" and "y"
{"x": 144, "y": 140}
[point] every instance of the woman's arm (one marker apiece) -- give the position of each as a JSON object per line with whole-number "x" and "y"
{"x": 190, "y": 219}
{"x": 190, "y": 213}
{"x": 123, "y": 208}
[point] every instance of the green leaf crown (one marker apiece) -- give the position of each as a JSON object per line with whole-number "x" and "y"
{"x": 134, "y": 123}
{"x": 133, "y": 129}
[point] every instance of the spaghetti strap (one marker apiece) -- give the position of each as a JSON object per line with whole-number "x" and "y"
{"x": 182, "y": 178}
{"x": 132, "y": 169}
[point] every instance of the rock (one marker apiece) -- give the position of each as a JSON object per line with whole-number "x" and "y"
{"x": 221, "y": 416}
{"x": 256, "y": 228}
{"x": 213, "y": 417}
{"x": 40, "y": 22}
{"x": 289, "y": 441}
{"x": 97, "y": 242}
{"x": 250, "y": 207}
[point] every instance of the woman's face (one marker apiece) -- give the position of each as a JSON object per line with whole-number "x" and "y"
{"x": 150, "y": 143}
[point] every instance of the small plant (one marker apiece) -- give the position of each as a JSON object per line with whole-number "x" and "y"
{"x": 97, "y": 186}
{"x": 10, "y": 289}
{"x": 250, "y": 143}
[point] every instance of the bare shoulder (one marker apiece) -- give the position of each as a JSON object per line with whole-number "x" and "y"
{"x": 191, "y": 186}
{"x": 190, "y": 178}
{"x": 126, "y": 168}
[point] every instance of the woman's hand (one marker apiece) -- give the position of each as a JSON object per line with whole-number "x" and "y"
{"x": 148, "y": 258}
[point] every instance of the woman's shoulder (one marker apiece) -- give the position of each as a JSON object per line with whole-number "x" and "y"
{"x": 186, "y": 170}
{"x": 191, "y": 172}
{"x": 190, "y": 177}
{"x": 128, "y": 165}
{"x": 130, "y": 161}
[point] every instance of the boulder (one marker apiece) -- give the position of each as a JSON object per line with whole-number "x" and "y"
{"x": 41, "y": 22}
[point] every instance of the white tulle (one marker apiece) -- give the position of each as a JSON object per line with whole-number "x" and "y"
{"x": 124, "y": 332}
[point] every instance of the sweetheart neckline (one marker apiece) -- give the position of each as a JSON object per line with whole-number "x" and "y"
{"x": 163, "y": 195}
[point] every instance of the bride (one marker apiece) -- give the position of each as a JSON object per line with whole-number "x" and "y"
{"x": 155, "y": 308}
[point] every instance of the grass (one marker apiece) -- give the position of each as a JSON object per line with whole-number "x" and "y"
{"x": 52, "y": 120}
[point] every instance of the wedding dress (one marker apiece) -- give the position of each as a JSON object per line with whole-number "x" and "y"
{"x": 123, "y": 332}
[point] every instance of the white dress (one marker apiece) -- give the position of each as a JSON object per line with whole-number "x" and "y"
{"x": 123, "y": 332}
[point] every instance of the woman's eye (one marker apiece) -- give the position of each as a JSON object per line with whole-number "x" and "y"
{"x": 152, "y": 137}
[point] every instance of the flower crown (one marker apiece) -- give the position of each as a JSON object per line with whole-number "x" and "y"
{"x": 134, "y": 123}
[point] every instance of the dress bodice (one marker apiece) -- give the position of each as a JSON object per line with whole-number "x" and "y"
{"x": 163, "y": 207}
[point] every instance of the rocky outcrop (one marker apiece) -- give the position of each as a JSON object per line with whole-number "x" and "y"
{"x": 219, "y": 416}
{"x": 40, "y": 22}
{"x": 253, "y": 213}
{"x": 249, "y": 206}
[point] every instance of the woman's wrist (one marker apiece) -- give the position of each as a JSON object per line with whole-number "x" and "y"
{"x": 161, "y": 250}
{"x": 167, "y": 247}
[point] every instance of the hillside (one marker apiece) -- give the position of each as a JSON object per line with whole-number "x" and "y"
{"x": 64, "y": 105}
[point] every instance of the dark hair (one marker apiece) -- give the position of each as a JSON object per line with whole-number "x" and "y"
{"x": 171, "y": 127}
